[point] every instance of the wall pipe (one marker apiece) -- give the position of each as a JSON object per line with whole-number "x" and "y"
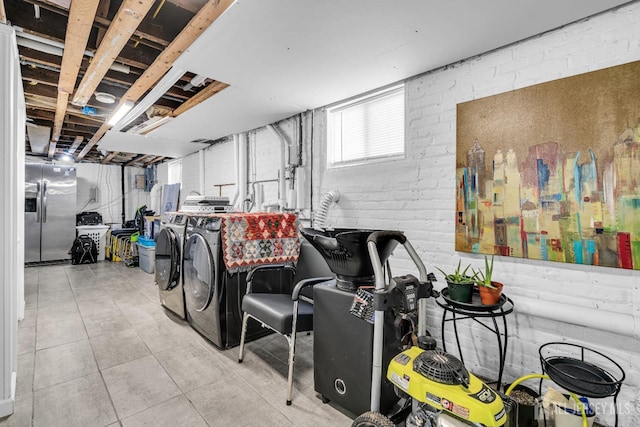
{"x": 236, "y": 162}
{"x": 123, "y": 199}
{"x": 201, "y": 171}
{"x": 607, "y": 321}
{"x": 242, "y": 170}
{"x": 282, "y": 187}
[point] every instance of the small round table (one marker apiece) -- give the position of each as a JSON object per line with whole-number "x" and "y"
{"x": 475, "y": 311}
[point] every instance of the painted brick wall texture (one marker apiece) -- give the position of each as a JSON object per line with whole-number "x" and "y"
{"x": 416, "y": 195}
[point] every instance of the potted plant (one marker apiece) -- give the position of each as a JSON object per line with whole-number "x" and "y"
{"x": 490, "y": 290}
{"x": 459, "y": 284}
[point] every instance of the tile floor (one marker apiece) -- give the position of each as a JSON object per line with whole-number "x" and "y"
{"x": 97, "y": 349}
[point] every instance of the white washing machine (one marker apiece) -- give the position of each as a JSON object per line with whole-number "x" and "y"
{"x": 169, "y": 250}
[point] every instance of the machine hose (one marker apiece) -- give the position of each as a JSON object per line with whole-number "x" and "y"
{"x": 327, "y": 200}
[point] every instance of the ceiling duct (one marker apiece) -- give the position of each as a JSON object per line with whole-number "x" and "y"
{"x": 39, "y": 137}
{"x": 44, "y": 45}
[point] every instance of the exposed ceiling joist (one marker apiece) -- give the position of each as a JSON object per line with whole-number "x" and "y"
{"x": 138, "y": 159}
{"x": 198, "y": 24}
{"x": 3, "y": 14}
{"x": 76, "y": 144}
{"x": 61, "y": 109}
{"x": 81, "y": 15}
{"x": 127, "y": 19}
{"x": 200, "y": 97}
{"x": 110, "y": 156}
{"x": 52, "y": 149}
{"x": 154, "y": 160}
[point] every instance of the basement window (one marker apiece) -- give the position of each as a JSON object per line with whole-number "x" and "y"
{"x": 367, "y": 129}
{"x": 174, "y": 172}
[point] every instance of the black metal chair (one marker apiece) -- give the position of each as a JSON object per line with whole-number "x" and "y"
{"x": 288, "y": 313}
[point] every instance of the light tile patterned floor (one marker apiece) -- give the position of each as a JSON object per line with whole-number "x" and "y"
{"x": 97, "y": 349}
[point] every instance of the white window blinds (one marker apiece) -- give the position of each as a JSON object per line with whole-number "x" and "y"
{"x": 174, "y": 170}
{"x": 367, "y": 129}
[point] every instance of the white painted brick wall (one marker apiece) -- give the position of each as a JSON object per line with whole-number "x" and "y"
{"x": 108, "y": 181}
{"x": 220, "y": 170}
{"x": 190, "y": 176}
{"x": 416, "y": 195}
{"x": 262, "y": 164}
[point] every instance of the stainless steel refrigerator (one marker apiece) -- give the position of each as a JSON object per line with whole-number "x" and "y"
{"x": 50, "y": 211}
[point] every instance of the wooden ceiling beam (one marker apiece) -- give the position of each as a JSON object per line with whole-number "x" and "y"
{"x": 154, "y": 160}
{"x": 150, "y": 40}
{"x": 81, "y": 15}
{"x": 129, "y": 16}
{"x": 61, "y": 110}
{"x": 109, "y": 157}
{"x": 151, "y": 35}
{"x": 138, "y": 159}
{"x": 200, "y": 22}
{"x": 52, "y": 149}
{"x": 3, "y": 13}
{"x": 199, "y": 97}
{"x": 76, "y": 144}
{"x": 102, "y": 12}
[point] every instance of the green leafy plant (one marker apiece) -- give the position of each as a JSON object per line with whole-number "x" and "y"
{"x": 459, "y": 276}
{"x": 483, "y": 278}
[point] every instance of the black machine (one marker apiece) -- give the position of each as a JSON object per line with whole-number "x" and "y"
{"x": 342, "y": 342}
{"x": 213, "y": 295}
{"x": 88, "y": 218}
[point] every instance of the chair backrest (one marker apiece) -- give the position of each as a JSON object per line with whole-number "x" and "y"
{"x": 310, "y": 264}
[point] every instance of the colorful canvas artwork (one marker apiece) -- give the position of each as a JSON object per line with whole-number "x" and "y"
{"x": 552, "y": 171}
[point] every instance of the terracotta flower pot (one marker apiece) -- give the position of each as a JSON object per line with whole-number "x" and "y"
{"x": 490, "y": 296}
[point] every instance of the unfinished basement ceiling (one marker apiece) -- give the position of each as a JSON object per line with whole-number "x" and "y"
{"x": 279, "y": 58}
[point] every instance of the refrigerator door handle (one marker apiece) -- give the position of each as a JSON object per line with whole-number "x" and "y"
{"x": 44, "y": 202}
{"x": 38, "y": 203}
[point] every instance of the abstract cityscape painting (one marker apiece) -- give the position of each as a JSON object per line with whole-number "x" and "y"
{"x": 552, "y": 171}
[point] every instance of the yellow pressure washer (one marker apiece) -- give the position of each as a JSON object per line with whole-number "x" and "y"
{"x": 440, "y": 391}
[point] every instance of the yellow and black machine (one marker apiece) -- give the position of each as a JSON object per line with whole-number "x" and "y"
{"x": 444, "y": 392}
{"x": 439, "y": 391}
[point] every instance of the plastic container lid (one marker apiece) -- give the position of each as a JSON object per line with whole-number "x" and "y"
{"x": 143, "y": 241}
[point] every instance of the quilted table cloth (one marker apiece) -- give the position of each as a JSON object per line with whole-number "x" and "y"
{"x": 252, "y": 239}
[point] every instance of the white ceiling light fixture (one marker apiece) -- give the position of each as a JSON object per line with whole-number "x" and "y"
{"x": 105, "y": 98}
{"x": 165, "y": 83}
{"x": 116, "y": 118}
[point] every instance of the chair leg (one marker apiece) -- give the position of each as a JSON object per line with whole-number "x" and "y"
{"x": 292, "y": 351}
{"x": 245, "y": 318}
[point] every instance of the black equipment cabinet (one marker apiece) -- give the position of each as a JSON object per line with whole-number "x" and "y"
{"x": 343, "y": 351}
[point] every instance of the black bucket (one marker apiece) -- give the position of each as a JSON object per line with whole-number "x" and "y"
{"x": 526, "y": 412}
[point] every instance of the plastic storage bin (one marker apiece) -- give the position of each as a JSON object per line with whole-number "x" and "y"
{"x": 147, "y": 257}
{"x": 98, "y": 233}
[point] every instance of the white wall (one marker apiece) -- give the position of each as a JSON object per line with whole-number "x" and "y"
{"x": 12, "y": 136}
{"x": 417, "y": 195}
{"x": 263, "y": 163}
{"x": 107, "y": 178}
